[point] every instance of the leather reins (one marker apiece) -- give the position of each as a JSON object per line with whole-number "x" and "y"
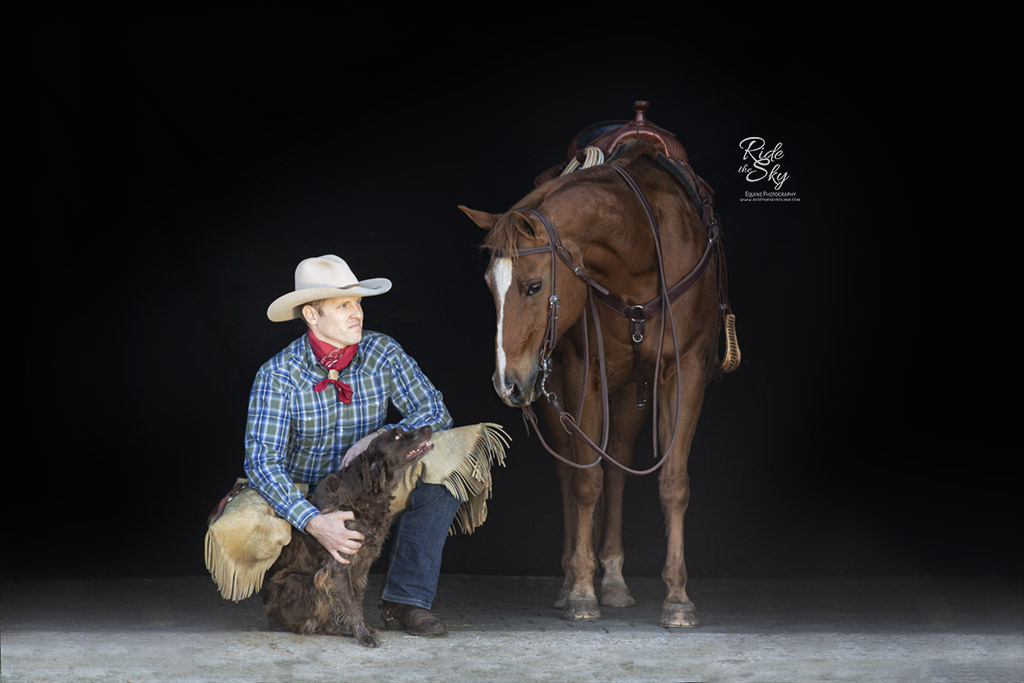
{"x": 637, "y": 315}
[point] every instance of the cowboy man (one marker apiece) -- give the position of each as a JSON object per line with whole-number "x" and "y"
{"x": 319, "y": 402}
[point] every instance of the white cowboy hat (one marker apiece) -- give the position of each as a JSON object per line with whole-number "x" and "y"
{"x": 324, "y": 277}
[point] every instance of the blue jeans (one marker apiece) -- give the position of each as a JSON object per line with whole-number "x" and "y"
{"x": 416, "y": 545}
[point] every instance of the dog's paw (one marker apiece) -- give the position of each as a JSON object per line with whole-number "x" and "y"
{"x": 368, "y": 638}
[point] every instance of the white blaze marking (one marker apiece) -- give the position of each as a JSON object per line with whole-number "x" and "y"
{"x": 502, "y": 281}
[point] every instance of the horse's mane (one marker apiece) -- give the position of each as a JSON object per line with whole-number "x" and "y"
{"x": 502, "y": 237}
{"x": 504, "y": 234}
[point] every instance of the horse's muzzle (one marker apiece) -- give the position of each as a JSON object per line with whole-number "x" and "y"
{"x": 516, "y": 393}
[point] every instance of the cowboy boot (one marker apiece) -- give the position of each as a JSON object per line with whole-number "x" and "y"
{"x": 415, "y": 621}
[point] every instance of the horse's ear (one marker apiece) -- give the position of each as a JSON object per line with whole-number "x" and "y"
{"x": 524, "y": 225}
{"x": 481, "y": 218}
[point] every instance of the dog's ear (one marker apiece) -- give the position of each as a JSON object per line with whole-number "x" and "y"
{"x": 323, "y": 492}
{"x": 378, "y": 468}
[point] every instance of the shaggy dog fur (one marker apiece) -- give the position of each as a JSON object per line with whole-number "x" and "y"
{"x": 307, "y": 591}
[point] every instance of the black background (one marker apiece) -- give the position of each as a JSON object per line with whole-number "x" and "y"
{"x": 181, "y": 168}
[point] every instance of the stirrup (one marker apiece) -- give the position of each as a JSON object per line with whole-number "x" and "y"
{"x": 732, "y": 345}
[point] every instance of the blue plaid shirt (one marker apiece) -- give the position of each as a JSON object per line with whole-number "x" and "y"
{"x": 295, "y": 434}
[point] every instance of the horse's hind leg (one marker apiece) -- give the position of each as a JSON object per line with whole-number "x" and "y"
{"x": 626, "y": 423}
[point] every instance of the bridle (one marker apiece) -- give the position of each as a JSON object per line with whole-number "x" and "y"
{"x": 637, "y": 315}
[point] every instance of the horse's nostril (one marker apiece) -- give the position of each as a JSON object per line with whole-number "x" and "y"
{"x": 507, "y": 389}
{"x": 511, "y": 390}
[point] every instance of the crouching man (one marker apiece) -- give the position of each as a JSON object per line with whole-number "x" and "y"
{"x": 318, "y": 403}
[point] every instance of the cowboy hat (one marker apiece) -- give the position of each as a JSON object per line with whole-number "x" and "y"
{"x": 323, "y": 277}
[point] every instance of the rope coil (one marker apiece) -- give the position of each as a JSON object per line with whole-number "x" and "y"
{"x": 592, "y": 157}
{"x": 732, "y": 345}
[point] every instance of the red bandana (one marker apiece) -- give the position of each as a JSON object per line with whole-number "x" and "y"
{"x": 335, "y": 360}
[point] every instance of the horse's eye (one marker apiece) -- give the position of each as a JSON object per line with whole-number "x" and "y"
{"x": 532, "y": 289}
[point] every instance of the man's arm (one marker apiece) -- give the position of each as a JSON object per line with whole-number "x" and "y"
{"x": 265, "y": 440}
{"x": 415, "y": 397}
{"x": 411, "y": 393}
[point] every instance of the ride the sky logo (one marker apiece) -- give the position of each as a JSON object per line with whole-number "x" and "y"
{"x": 761, "y": 163}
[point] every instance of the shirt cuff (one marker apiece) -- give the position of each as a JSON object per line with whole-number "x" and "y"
{"x": 299, "y": 514}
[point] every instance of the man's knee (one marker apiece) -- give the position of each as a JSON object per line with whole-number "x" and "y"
{"x": 429, "y": 495}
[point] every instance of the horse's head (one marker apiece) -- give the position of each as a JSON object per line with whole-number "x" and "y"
{"x": 522, "y": 288}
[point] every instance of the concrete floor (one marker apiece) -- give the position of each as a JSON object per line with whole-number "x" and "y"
{"x": 504, "y": 629}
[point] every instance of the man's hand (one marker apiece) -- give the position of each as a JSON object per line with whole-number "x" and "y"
{"x": 333, "y": 535}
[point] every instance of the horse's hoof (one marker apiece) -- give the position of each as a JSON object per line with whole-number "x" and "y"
{"x": 617, "y": 597}
{"x": 581, "y": 610}
{"x": 678, "y": 615}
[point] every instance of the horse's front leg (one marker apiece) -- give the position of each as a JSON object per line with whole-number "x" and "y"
{"x": 564, "y": 473}
{"x": 560, "y": 442}
{"x": 585, "y": 492}
{"x": 674, "y": 488}
{"x": 627, "y": 420}
{"x": 567, "y": 483}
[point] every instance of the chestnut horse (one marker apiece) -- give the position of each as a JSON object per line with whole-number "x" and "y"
{"x": 621, "y": 233}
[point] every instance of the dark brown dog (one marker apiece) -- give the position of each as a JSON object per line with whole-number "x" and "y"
{"x": 307, "y": 591}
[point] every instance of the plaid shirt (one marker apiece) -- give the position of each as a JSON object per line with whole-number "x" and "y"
{"x": 295, "y": 434}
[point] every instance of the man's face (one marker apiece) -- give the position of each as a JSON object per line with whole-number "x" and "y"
{"x": 338, "y": 321}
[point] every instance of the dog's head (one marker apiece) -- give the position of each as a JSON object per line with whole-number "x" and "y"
{"x": 375, "y": 471}
{"x": 396, "y": 449}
